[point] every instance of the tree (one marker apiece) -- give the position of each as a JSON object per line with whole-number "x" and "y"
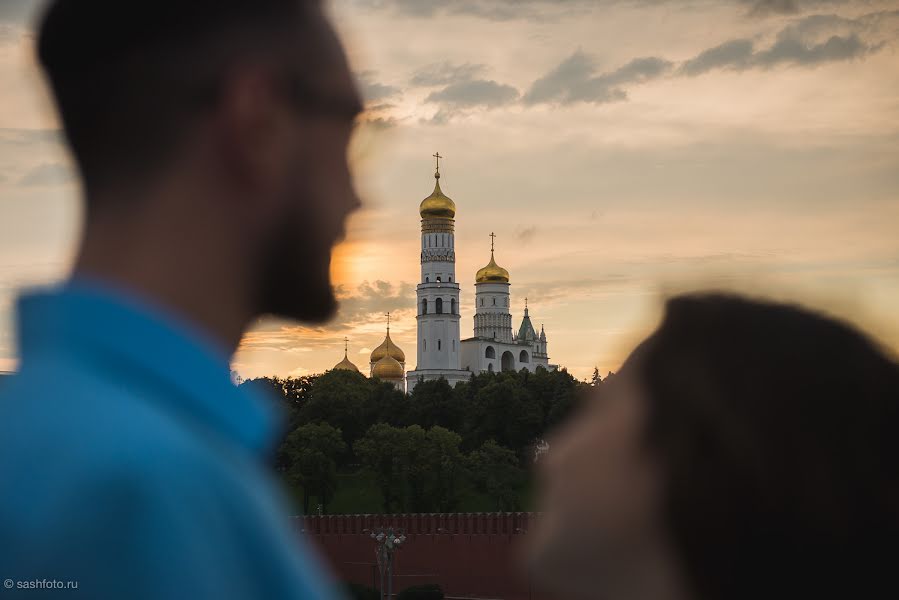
{"x": 383, "y": 451}
{"x": 444, "y": 467}
{"x": 312, "y": 451}
{"x": 497, "y": 472}
{"x": 339, "y": 398}
{"x": 596, "y": 379}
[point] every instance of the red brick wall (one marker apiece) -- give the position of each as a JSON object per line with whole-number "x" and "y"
{"x": 471, "y": 555}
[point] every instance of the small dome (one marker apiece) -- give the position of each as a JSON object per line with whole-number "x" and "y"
{"x": 437, "y": 205}
{"x": 388, "y": 348}
{"x": 387, "y": 368}
{"x": 346, "y": 365}
{"x": 492, "y": 273}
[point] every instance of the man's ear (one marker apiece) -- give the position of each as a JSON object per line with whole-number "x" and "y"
{"x": 254, "y": 126}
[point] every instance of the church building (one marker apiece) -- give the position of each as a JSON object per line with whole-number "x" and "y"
{"x": 495, "y": 345}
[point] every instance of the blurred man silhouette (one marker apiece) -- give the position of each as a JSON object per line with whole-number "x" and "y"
{"x": 211, "y": 139}
{"x": 745, "y": 450}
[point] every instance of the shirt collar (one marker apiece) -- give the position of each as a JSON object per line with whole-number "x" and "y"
{"x": 122, "y": 332}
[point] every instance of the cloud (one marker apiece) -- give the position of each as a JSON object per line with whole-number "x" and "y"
{"x": 446, "y": 73}
{"x": 803, "y": 43}
{"x": 374, "y": 91}
{"x": 763, "y": 8}
{"x": 47, "y": 174}
{"x": 474, "y": 93}
{"x": 575, "y": 80}
{"x": 735, "y": 54}
{"x": 526, "y": 234}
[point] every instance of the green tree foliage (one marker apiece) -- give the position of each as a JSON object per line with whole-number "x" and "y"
{"x": 428, "y": 448}
{"x": 417, "y": 470}
{"x": 312, "y": 451}
{"x": 497, "y": 472}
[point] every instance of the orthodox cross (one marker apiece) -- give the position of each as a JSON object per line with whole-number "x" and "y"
{"x": 388, "y": 322}
{"x": 438, "y": 157}
{"x": 346, "y": 345}
{"x": 492, "y": 239}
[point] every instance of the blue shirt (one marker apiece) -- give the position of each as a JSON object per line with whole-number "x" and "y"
{"x": 131, "y": 465}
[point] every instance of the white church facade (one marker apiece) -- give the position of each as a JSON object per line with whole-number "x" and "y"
{"x": 441, "y": 352}
{"x": 494, "y": 345}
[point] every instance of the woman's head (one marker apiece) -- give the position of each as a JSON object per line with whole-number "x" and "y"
{"x": 745, "y": 450}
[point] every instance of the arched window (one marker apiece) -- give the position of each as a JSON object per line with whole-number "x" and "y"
{"x": 523, "y": 357}
{"x": 508, "y": 361}
{"x": 490, "y": 368}
{"x": 439, "y": 345}
{"x": 427, "y": 280}
{"x": 494, "y": 335}
{"x": 424, "y": 306}
{"x": 452, "y": 306}
{"x": 439, "y": 306}
{"x": 450, "y": 278}
{"x": 490, "y": 352}
{"x": 494, "y": 302}
{"x": 438, "y": 279}
{"x": 424, "y": 345}
{"x": 482, "y": 302}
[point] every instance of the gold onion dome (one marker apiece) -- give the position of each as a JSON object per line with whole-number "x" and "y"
{"x": 388, "y": 348}
{"x": 346, "y": 365}
{"x": 387, "y": 368}
{"x": 492, "y": 273}
{"x": 438, "y": 204}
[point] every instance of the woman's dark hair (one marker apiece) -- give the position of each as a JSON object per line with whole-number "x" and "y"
{"x": 778, "y": 431}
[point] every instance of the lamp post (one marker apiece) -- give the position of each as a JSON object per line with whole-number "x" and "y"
{"x": 387, "y": 541}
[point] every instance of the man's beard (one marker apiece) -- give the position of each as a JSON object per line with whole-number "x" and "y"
{"x": 296, "y": 275}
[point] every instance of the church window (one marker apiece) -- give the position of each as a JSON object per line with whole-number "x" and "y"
{"x": 427, "y": 280}
{"x": 424, "y": 306}
{"x": 490, "y": 352}
{"x": 452, "y": 306}
{"x": 438, "y": 279}
{"x": 490, "y": 368}
{"x": 454, "y": 345}
{"x": 482, "y": 302}
{"x": 424, "y": 345}
{"x": 494, "y": 302}
{"x": 439, "y": 344}
{"x": 523, "y": 357}
{"x": 450, "y": 278}
{"x": 439, "y": 306}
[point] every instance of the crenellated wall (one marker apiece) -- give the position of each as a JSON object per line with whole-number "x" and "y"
{"x": 471, "y": 555}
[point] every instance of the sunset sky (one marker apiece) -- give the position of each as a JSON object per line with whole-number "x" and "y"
{"x": 622, "y": 151}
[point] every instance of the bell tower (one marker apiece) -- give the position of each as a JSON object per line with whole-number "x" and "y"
{"x": 438, "y": 290}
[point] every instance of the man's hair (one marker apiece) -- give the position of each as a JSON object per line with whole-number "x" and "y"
{"x": 129, "y": 77}
{"x": 778, "y": 432}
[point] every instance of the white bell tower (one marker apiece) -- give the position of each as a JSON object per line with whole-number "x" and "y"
{"x": 438, "y": 290}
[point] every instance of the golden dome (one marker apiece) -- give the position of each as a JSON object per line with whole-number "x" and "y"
{"x": 388, "y": 348}
{"x": 492, "y": 273}
{"x": 346, "y": 365}
{"x": 387, "y": 368}
{"x": 437, "y": 205}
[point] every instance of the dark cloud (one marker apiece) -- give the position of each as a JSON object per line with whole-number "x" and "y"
{"x": 763, "y": 8}
{"x": 475, "y": 93}
{"x": 807, "y": 42}
{"x": 446, "y": 73}
{"x": 47, "y": 174}
{"x": 10, "y": 136}
{"x": 374, "y": 91}
{"x": 19, "y": 12}
{"x": 735, "y": 54}
{"x": 526, "y": 234}
{"x": 575, "y": 80}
